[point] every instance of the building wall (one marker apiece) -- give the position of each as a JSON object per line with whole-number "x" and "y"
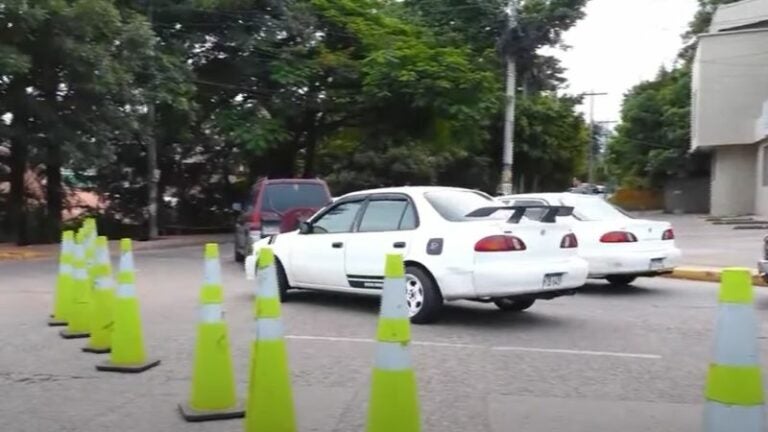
{"x": 687, "y": 195}
{"x": 734, "y": 169}
{"x": 739, "y": 14}
{"x": 730, "y": 87}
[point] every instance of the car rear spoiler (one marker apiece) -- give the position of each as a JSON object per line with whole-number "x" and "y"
{"x": 550, "y": 212}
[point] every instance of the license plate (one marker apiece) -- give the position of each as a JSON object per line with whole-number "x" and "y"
{"x": 270, "y": 230}
{"x": 657, "y": 264}
{"x": 552, "y": 280}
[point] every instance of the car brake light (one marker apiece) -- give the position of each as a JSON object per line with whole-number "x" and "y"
{"x": 569, "y": 241}
{"x": 500, "y": 243}
{"x": 618, "y": 237}
{"x": 668, "y": 234}
{"x": 256, "y": 221}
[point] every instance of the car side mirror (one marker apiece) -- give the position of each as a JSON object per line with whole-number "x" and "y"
{"x": 305, "y": 228}
{"x": 237, "y": 207}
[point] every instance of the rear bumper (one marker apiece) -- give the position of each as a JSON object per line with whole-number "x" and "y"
{"x": 524, "y": 278}
{"x": 637, "y": 263}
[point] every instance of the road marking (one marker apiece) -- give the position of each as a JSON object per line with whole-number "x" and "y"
{"x": 493, "y": 348}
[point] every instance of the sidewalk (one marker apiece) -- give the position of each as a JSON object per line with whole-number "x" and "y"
{"x": 708, "y": 248}
{"x": 10, "y": 252}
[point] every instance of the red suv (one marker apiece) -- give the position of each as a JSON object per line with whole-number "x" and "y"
{"x": 276, "y": 206}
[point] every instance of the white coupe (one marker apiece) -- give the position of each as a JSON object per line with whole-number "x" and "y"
{"x": 618, "y": 247}
{"x": 456, "y": 243}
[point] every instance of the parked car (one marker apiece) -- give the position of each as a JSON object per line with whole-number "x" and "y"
{"x": 762, "y": 265}
{"x": 457, "y": 244}
{"x": 276, "y": 206}
{"x": 618, "y": 247}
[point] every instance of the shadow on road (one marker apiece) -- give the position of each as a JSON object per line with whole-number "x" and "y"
{"x": 596, "y": 288}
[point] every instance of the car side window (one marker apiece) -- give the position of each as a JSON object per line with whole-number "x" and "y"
{"x": 409, "y": 221}
{"x": 383, "y": 215}
{"x": 338, "y": 219}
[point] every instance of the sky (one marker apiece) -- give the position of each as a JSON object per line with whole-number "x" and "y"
{"x": 619, "y": 44}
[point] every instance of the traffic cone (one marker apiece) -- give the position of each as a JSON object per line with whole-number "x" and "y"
{"x": 77, "y": 321}
{"x": 90, "y": 248}
{"x": 269, "y": 407}
{"x": 212, "y": 396}
{"x": 393, "y": 404}
{"x": 64, "y": 282}
{"x": 128, "y": 354}
{"x": 734, "y": 388}
{"x": 102, "y": 301}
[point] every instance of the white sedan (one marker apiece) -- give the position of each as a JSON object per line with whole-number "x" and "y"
{"x": 618, "y": 247}
{"x": 456, "y": 243}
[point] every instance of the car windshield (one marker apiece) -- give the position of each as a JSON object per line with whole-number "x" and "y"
{"x": 282, "y": 197}
{"x": 454, "y": 205}
{"x": 593, "y": 209}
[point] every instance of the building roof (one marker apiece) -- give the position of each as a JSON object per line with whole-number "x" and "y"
{"x": 740, "y": 15}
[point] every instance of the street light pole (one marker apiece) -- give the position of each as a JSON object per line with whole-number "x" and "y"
{"x": 152, "y": 172}
{"x": 591, "y": 148}
{"x": 505, "y": 187}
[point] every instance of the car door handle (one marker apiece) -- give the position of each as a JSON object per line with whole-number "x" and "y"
{"x": 337, "y": 245}
{"x": 399, "y": 245}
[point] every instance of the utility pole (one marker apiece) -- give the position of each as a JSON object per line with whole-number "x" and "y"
{"x": 505, "y": 188}
{"x": 153, "y": 175}
{"x": 591, "y": 149}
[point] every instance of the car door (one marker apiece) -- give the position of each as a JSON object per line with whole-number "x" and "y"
{"x": 317, "y": 257}
{"x": 386, "y": 226}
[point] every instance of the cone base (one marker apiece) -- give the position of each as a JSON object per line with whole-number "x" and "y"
{"x": 66, "y": 334}
{"x": 97, "y": 350}
{"x": 192, "y": 415}
{"x": 108, "y": 366}
{"x": 53, "y": 322}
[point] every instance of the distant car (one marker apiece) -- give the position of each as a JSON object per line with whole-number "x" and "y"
{"x": 275, "y": 206}
{"x": 457, "y": 244}
{"x": 618, "y": 247}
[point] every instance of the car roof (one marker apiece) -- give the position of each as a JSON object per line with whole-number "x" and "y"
{"x": 408, "y": 190}
{"x": 291, "y": 180}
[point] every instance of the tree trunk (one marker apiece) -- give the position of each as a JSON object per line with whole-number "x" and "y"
{"x": 310, "y": 150}
{"x": 18, "y": 161}
{"x": 54, "y": 192}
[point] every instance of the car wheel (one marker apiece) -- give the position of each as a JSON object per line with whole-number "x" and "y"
{"x": 512, "y": 304}
{"x": 620, "y": 280}
{"x": 282, "y": 281}
{"x": 423, "y": 297}
{"x": 239, "y": 256}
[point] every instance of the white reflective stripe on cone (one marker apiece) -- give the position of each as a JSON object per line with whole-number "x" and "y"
{"x": 81, "y": 273}
{"x": 730, "y": 418}
{"x": 250, "y": 267}
{"x": 268, "y": 329}
{"x": 126, "y": 291}
{"x": 736, "y": 335}
{"x": 392, "y": 356}
{"x": 65, "y": 268}
{"x": 393, "y": 299}
{"x": 211, "y": 313}
{"x": 126, "y": 261}
{"x": 267, "y": 283}
{"x": 79, "y": 251}
{"x": 212, "y": 272}
{"x": 104, "y": 283}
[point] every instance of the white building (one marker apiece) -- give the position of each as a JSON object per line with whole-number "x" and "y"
{"x": 730, "y": 107}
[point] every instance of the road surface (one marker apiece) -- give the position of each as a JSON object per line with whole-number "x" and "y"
{"x": 608, "y": 359}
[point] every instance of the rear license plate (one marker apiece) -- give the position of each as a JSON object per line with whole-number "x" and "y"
{"x": 552, "y": 280}
{"x": 657, "y": 264}
{"x": 270, "y": 230}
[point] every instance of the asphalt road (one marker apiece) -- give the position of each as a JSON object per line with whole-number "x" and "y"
{"x": 608, "y": 359}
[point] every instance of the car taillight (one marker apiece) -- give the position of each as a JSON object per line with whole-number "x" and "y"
{"x": 569, "y": 241}
{"x": 500, "y": 243}
{"x": 668, "y": 235}
{"x": 256, "y": 221}
{"x": 618, "y": 237}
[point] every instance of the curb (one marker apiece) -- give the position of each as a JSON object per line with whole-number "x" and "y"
{"x": 708, "y": 274}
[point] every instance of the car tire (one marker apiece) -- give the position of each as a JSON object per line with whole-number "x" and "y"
{"x": 432, "y": 299}
{"x": 239, "y": 257}
{"x": 620, "y": 280}
{"x": 511, "y": 304}
{"x": 282, "y": 281}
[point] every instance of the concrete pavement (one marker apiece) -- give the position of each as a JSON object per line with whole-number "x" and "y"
{"x": 630, "y": 359}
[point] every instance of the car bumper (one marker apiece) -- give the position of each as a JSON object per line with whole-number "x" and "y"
{"x": 494, "y": 281}
{"x": 641, "y": 263}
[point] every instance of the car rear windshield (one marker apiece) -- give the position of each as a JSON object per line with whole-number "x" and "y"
{"x": 454, "y": 205}
{"x": 594, "y": 209}
{"x": 282, "y": 197}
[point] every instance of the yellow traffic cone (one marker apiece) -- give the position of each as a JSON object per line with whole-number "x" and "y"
{"x": 128, "y": 354}
{"x": 77, "y": 321}
{"x": 393, "y": 404}
{"x": 90, "y": 249}
{"x": 102, "y": 301}
{"x": 212, "y": 396}
{"x": 64, "y": 282}
{"x": 269, "y": 407}
{"x": 734, "y": 389}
